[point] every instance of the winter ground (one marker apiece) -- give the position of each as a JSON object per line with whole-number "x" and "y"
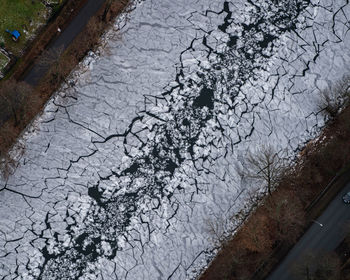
{"x": 126, "y": 172}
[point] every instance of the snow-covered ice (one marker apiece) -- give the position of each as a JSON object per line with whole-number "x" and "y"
{"x": 125, "y": 173}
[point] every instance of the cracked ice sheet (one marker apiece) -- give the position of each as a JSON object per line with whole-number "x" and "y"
{"x": 123, "y": 171}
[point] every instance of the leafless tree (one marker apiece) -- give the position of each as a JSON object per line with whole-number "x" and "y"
{"x": 216, "y": 227}
{"x": 113, "y": 5}
{"x": 86, "y": 40}
{"x": 346, "y": 229}
{"x": 265, "y": 167}
{"x": 50, "y": 57}
{"x": 54, "y": 61}
{"x": 7, "y": 163}
{"x": 335, "y": 98}
{"x": 287, "y": 214}
{"x": 255, "y": 235}
{"x": 320, "y": 266}
{"x": 20, "y": 104}
{"x": 15, "y": 94}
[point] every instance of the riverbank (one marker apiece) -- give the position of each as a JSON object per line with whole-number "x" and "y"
{"x": 19, "y": 109}
{"x": 267, "y": 235}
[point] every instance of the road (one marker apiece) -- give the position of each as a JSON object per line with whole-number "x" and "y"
{"x": 318, "y": 238}
{"x": 67, "y": 36}
{"x": 78, "y": 23}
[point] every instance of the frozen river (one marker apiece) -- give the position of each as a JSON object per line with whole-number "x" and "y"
{"x": 127, "y": 172}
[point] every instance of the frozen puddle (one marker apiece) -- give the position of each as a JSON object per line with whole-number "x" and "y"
{"x": 124, "y": 174}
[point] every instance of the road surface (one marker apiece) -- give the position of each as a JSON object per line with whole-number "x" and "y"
{"x": 318, "y": 238}
{"x": 67, "y": 36}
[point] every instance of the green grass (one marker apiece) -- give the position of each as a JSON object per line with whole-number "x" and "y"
{"x": 26, "y": 16}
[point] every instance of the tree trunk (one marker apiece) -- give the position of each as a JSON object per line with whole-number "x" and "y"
{"x": 15, "y": 116}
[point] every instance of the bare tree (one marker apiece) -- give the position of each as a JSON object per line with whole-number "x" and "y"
{"x": 264, "y": 167}
{"x": 21, "y": 104}
{"x": 255, "y": 235}
{"x": 287, "y": 215}
{"x": 113, "y": 5}
{"x": 54, "y": 61}
{"x": 15, "y": 94}
{"x": 321, "y": 266}
{"x": 7, "y": 162}
{"x": 86, "y": 40}
{"x": 50, "y": 57}
{"x": 335, "y": 98}
{"x": 216, "y": 226}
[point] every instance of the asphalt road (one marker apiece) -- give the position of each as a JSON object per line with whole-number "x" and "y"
{"x": 318, "y": 239}
{"x": 67, "y": 36}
